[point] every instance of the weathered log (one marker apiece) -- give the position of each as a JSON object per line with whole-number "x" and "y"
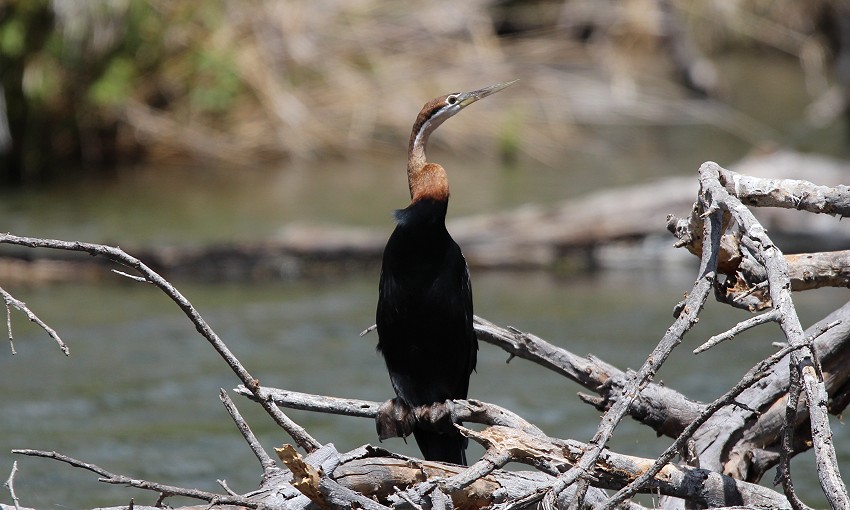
{"x": 379, "y": 477}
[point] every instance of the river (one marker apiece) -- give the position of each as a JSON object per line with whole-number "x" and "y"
{"x": 139, "y": 393}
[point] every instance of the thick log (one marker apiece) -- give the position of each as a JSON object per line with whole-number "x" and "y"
{"x": 378, "y": 477}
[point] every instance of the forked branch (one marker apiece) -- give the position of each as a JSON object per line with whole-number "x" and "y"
{"x": 10, "y": 301}
{"x": 149, "y": 275}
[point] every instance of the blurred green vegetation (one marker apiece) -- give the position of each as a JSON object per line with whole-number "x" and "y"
{"x": 92, "y": 84}
{"x": 71, "y": 68}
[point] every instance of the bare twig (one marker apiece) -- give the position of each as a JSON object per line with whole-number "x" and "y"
{"x": 827, "y": 464}
{"x": 10, "y": 484}
{"x": 165, "y": 490}
{"x": 403, "y": 495}
{"x": 136, "y": 278}
{"x": 783, "y": 471}
{"x": 739, "y": 328}
{"x": 315, "y": 403}
{"x": 9, "y": 328}
{"x": 297, "y": 432}
{"x": 20, "y": 305}
{"x": 490, "y": 461}
{"x": 265, "y": 459}
{"x": 755, "y": 288}
{"x": 223, "y": 484}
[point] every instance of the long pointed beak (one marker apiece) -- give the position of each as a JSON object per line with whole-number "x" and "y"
{"x": 467, "y": 98}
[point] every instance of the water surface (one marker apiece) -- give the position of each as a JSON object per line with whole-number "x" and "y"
{"x": 139, "y": 394}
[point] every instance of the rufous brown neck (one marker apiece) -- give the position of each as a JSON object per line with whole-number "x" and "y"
{"x": 425, "y": 180}
{"x": 428, "y": 182}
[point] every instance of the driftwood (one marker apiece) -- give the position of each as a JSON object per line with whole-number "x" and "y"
{"x": 513, "y": 438}
{"x": 569, "y": 234}
{"x": 779, "y": 408}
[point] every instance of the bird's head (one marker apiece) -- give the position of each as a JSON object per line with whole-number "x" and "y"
{"x": 437, "y": 110}
{"x": 434, "y": 183}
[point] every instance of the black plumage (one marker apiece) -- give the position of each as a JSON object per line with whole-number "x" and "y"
{"x": 424, "y": 314}
{"x": 424, "y": 320}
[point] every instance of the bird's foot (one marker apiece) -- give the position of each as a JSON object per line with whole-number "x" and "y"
{"x": 437, "y": 416}
{"x": 394, "y": 419}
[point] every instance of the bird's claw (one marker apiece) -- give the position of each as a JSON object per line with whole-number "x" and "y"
{"x": 394, "y": 419}
{"x": 437, "y": 416}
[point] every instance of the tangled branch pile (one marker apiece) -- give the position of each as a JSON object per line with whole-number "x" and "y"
{"x": 777, "y": 410}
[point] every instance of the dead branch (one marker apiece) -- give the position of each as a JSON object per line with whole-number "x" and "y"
{"x": 664, "y": 409}
{"x": 473, "y": 411}
{"x": 529, "y": 446}
{"x": 739, "y": 328}
{"x": 815, "y": 270}
{"x": 786, "y": 193}
{"x": 320, "y": 488}
{"x": 119, "y": 256}
{"x": 167, "y": 490}
{"x": 750, "y": 436}
{"x": 612, "y": 470}
{"x": 756, "y": 239}
{"x": 380, "y": 477}
{"x": 10, "y": 484}
{"x": 268, "y": 465}
{"x": 754, "y": 375}
{"x": 832, "y": 357}
{"x": 759, "y": 260}
{"x": 377, "y": 477}
{"x": 807, "y": 271}
{"x": 20, "y": 305}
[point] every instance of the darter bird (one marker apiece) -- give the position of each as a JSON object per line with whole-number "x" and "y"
{"x": 424, "y": 314}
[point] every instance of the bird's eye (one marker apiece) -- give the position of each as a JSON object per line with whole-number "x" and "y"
{"x": 451, "y": 99}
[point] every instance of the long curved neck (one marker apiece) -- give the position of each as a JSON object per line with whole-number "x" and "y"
{"x": 425, "y": 180}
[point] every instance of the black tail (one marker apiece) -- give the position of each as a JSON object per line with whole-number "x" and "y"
{"x": 448, "y": 447}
